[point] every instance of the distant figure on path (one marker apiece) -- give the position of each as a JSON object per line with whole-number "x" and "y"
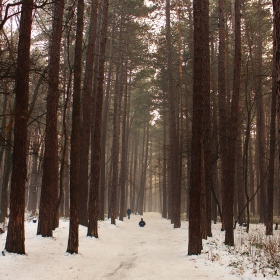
{"x": 142, "y": 223}
{"x": 128, "y": 212}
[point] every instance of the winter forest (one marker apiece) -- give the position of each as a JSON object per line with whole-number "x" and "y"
{"x": 158, "y": 106}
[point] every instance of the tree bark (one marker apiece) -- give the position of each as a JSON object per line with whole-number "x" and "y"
{"x": 261, "y": 122}
{"x": 15, "y": 241}
{"x": 105, "y": 112}
{"x": 207, "y": 125}
{"x": 272, "y": 150}
{"x": 164, "y": 171}
{"x": 123, "y": 169}
{"x": 173, "y": 131}
{"x": 240, "y": 176}
{"x": 223, "y": 130}
{"x": 73, "y": 238}
{"x": 228, "y": 212}
{"x": 33, "y": 186}
{"x": 96, "y": 145}
{"x": 195, "y": 240}
{"x": 49, "y": 190}
{"x": 87, "y": 117}
{"x": 116, "y": 127}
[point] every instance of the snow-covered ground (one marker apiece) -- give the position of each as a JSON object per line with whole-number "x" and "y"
{"x": 126, "y": 251}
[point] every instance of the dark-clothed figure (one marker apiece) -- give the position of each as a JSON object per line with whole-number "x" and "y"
{"x": 128, "y": 212}
{"x": 142, "y": 223}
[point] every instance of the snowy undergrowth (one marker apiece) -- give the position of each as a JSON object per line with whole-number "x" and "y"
{"x": 254, "y": 253}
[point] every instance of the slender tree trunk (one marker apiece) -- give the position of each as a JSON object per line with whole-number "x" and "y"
{"x": 64, "y": 162}
{"x": 143, "y": 180}
{"x": 66, "y": 187}
{"x": 240, "y": 176}
{"x": 173, "y": 131}
{"x": 245, "y": 164}
{"x": 228, "y": 212}
{"x": 86, "y": 117}
{"x": 135, "y": 182}
{"x": 131, "y": 187}
{"x": 3, "y": 125}
{"x": 6, "y": 178}
{"x": 253, "y": 181}
{"x": 164, "y": 171}
{"x": 105, "y": 112}
{"x": 116, "y": 130}
{"x": 73, "y": 238}
{"x": 123, "y": 169}
{"x": 16, "y": 234}
{"x": 96, "y": 145}
{"x": 261, "y": 122}
{"x": 223, "y": 130}
{"x": 140, "y": 195}
{"x": 181, "y": 104}
{"x": 215, "y": 142}
{"x": 33, "y": 188}
{"x": 49, "y": 190}
{"x": 272, "y": 148}
{"x": 207, "y": 125}
{"x": 195, "y": 241}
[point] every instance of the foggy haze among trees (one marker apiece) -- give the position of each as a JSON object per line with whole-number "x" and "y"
{"x": 157, "y": 106}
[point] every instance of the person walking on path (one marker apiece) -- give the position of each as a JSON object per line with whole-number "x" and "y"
{"x": 128, "y": 212}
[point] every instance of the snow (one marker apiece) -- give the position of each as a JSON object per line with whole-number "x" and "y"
{"x": 126, "y": 251}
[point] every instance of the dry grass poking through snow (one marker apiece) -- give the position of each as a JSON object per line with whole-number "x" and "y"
{"x": 253, "y": 253}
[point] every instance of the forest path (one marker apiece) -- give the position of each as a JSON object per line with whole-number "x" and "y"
{"x": 157, "y": 251}
{"x": 125, "y": 251}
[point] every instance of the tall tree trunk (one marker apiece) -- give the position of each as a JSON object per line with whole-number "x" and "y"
{"x": 6, "y": 178}
{"x": 195, "y": 241}
{"x": 228, "y": 212}
{"x": 49, "y": 190}
{"x": 2, "y": 130}
{"x": 105, "y": 112}
{"x": 140, "y": 195}
{"x": 181, "y": 118}
{"x": 135, "y": 182}
{"x": 215, "y": 184}
{"x": 66, "y": 187}
{"x": 116, "y": 127}
{"x": 73, "y": 238}
{"x": 123, "y": 169}
{"x": 86, "y": 117}
{"x": 164, "y": 171}
{"x": 131, "y": 187}
{"x": 252, "y": 181}
{"x": 206, "y": 227}
{"x": 5, "y": 157}
{"x": 143, "y": 180}
{"x": 173, "y": 131}
{"x": 60, "y": 209}
{"x": 16, "y": 234}
{"x": 245, "y": 162}
{"x": 96, "y": 145}
{"x": 240, "y": 177}
{"x": 272, "y": 148}
{"x": 33, "y": 188}
{"x": 261, "y": 123}
{"x": 223, "y": 130}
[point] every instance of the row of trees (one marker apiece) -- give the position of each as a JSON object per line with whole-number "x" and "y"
{"x": 165, "y": 106}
